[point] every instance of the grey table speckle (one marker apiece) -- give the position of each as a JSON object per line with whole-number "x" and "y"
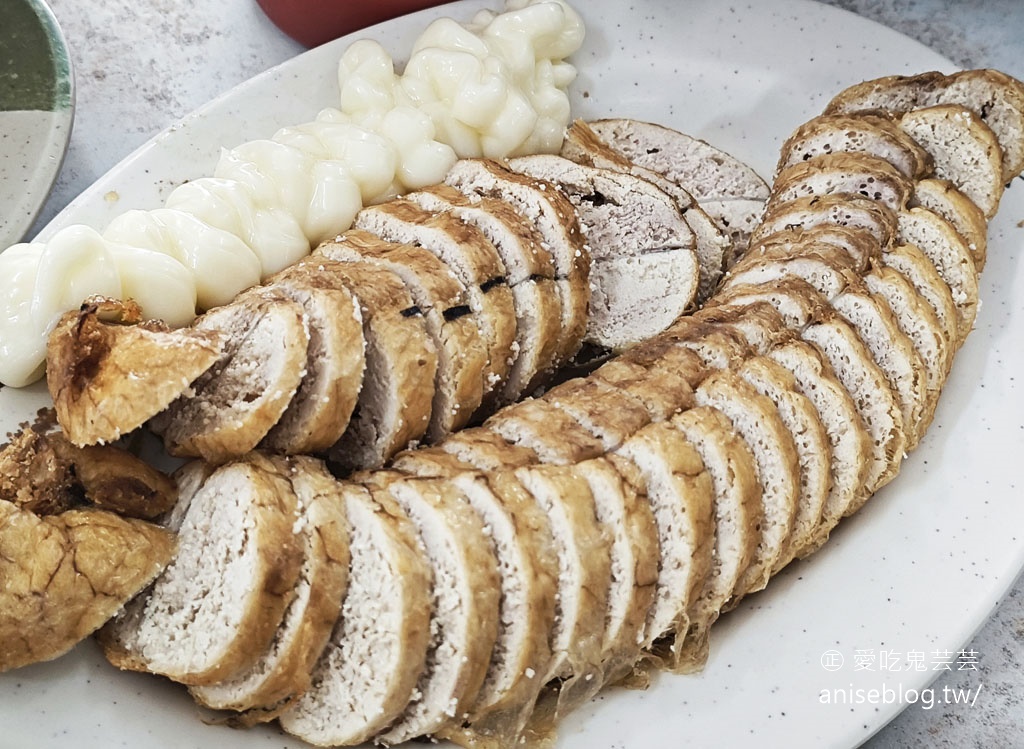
{"x": 143, "y": 64}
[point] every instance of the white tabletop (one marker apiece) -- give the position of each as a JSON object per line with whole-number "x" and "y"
{"x": 141, "y": 65}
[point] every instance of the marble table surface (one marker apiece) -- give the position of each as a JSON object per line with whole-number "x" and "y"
{"x": 143, "y": 64}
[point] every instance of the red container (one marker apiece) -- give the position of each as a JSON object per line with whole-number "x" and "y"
{"x": 313, "y": 22}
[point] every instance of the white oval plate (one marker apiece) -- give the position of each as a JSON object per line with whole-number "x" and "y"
{"x": 917, "y": 570}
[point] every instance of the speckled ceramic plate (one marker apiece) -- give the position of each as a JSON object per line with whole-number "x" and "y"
{"x": 36, "y": 110}
{"x": 912, "y": 575}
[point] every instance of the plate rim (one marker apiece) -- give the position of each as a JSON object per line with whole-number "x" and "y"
{"x": 63, "y": 76}
{"x": 1007, "y": 581}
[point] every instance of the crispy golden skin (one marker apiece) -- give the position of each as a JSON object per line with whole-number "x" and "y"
{"x": 36, "y": 475}
{"x": 65, "y": 575}
{"x": 108, "y": 373}
{"x": 116, "y": 480}
{"x": 46, "y": 474}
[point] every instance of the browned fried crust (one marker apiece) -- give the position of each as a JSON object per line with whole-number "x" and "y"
{"x": 116, "y": 480}
{"x": 46, "y": 474}
{"x": 35, "y": 476}
{"x": 108, "y": 373}
{"x": 65, "y": 575}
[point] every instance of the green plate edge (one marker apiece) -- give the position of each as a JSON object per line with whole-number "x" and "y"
{"x": 35, "y": 66}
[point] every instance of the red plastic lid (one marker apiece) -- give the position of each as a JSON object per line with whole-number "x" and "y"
{"x": 314, "y": 22}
